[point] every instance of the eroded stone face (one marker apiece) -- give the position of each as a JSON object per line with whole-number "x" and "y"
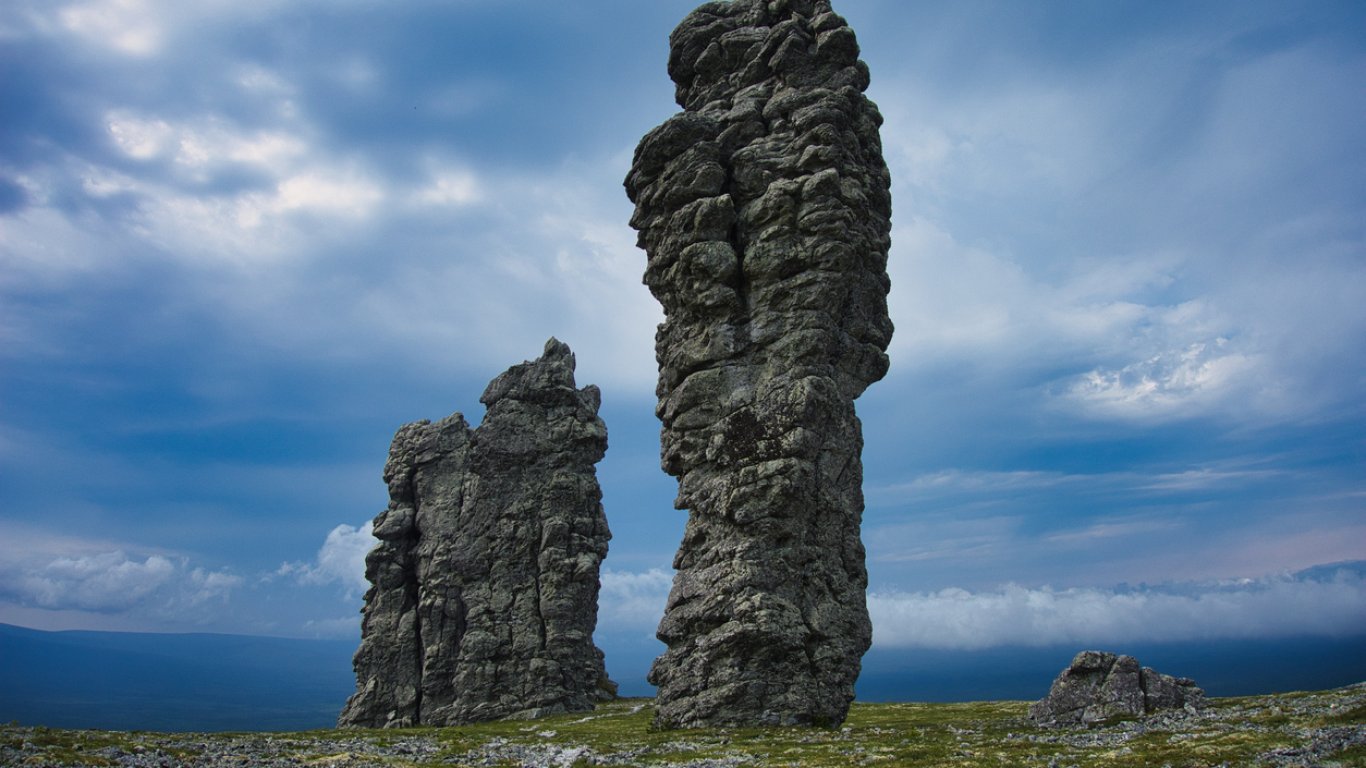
{"x": 485, "y": 578}
{"x": 765, "y": 212}
{"x": 1100, "y": 686}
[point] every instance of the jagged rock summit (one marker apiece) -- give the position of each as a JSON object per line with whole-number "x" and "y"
{"x": 1099, "y": 686}
{"x": 764, "y": 208}
{"x": 485, "y": 578}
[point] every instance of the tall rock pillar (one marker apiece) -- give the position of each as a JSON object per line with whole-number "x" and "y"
{"x": 485, "y": 578}
{"x": 764, "y": 208}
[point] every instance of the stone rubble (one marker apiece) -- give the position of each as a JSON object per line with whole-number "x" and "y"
{"x": 1099, "y": 686}
{"x": 764, "y": 208}
{"x": 1306, "y": 747}
{"x": 485, "y": 578}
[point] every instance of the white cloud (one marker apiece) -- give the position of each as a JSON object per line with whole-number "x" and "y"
{"x": 1010, "y": 485}
{"x": 1240, "y": 516}
{"x": 1124, "y": 528}
{"x": 104, "y": 582}
{"x": 306, "y": 179}
{"x": 176, "y": 207}
{"x": 27, "y": 545}
{"x": 132, "y": 27}
{"x": 111, "y": 581}
{"x": 548, "y": 255}
{"x": 326, "y": 191}
{"x": 340, "y": 560}
{"x": 256, "y": 79}
{"x": 257, "y": 210}
{"x": 219, "y": 145}
{"x": 981, "y": 537}
{"x": 598, "y": 271}
{"x": 143, "y": 28}
{"x": 451, "y": 187}
{"x": 139, "y": 138}
{"x": 106, "y": 183}
{"x": 1179, "y": 255}
{"x": 957, "y": 302}
{"x": 208, "y": 585}
{"x": 1208, "y": 478}
{"x": 1169, "y": 384}
{"x": 1325, "y": 601}
{"x": 961, "y": 481}
{"x": 42, "y": 246}
{"x": 1274, "y": 606}
{"x": 632, "y": 603}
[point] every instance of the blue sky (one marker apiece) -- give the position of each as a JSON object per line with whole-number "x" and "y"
{"x": 242, "y": 242}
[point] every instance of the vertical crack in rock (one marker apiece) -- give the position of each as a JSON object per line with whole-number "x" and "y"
{"x": 765, "y": 211}
{"x": 485, "y": 577}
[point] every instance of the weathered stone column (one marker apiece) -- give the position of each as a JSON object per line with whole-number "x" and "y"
{"x": 764, "y": 208}
{"x": 485, "y": 577}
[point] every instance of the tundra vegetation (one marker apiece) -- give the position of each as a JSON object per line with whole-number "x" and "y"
{"x": 1320, "y": 728}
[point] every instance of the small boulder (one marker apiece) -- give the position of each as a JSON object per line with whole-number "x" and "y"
{"x": 1101, "y": 686}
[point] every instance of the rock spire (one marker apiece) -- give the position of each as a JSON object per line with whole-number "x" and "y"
{"x": 485, "y": 578}
{"x": 764, "y": 208}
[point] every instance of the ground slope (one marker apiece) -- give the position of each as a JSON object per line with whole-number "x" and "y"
{"x": 1323, "y": 728}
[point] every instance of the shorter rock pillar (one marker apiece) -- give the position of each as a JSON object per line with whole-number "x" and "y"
{"x": 485, "y": 578}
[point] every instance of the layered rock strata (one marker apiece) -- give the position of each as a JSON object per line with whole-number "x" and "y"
{"x": 485, "y": 577}
{"x": 1100, "y": 686}
{"x": 764, "y": 208}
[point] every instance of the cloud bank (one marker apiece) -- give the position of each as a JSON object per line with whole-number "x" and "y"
{"x": 113, "y": 582}
{"x": 1327, "y": 601}
{"x": 1323, "y": 601}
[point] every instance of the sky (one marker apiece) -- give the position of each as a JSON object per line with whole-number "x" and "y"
{"x": 242, "y": 241}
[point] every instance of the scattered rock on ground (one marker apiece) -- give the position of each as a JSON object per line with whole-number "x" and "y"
{"x": 1101, "y": 686}
{"x": 1322, "y": 729}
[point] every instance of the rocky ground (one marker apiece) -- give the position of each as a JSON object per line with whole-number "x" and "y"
{"x": 1323, "y": 728}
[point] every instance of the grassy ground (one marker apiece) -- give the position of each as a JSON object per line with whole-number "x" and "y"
{"x": 1325, "y": 728}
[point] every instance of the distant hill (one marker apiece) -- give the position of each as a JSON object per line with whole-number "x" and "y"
{"x": 1221, "y": 667}
{"x": 200, "y": 682}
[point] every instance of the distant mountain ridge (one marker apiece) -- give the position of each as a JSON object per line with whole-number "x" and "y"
{"x": 1221, "y": 667}
{"x": 205, "y": 682}
{"x": 171, "y": 682}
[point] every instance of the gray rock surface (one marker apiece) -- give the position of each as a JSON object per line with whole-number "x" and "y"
{"x": 485, "y": 578}
{"x": 1099, "y": 686}
{"x": 765, "y": 209}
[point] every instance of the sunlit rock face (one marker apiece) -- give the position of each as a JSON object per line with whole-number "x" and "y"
{"x": 764, "y": 208}
{"x": 485, "y": 578}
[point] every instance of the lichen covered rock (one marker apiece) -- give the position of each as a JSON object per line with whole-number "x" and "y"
{"x": 764, "y": 208}
{"x": 1100, "y": 686}
{"x": 485, "y": 578}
